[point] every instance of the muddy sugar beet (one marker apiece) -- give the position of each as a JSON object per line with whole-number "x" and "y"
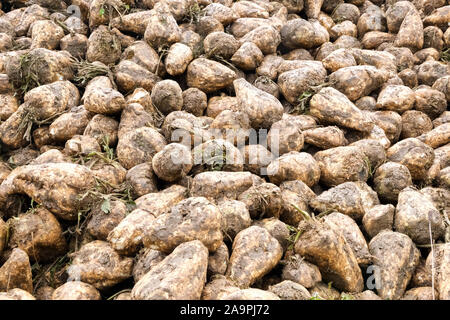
{"x": 206, "y": 149}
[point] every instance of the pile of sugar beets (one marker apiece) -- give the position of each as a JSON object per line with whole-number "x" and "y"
{"x": 119, "y": 179}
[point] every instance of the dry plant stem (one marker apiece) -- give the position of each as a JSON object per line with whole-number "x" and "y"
{"x": 432, "y": 256}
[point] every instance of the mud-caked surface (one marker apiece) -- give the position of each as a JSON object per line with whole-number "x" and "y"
{"x": 320, "y": 244}
{"x": 97, "y": 263}
{"x": 396, "y": 257}
{"x": 39, "y": 234}
{"x": 192, "y": 219}
{"x": 255, "y": 252}
{"x": 182, "y": 274}
{"x": 16, "y": 272}
{"x": 76, "y": 290}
